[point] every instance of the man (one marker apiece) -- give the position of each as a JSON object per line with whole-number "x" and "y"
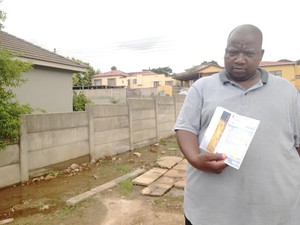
{"x": 266, "y": 188}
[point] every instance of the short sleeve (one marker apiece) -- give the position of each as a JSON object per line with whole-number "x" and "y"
{"x": 190, "y": 113}
{"x": 297, "y": 120}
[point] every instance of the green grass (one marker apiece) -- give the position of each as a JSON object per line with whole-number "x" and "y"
{"x": 163, "y": 141}
{"x": 124, "y": 168}
{"x": 67, "y": 210}
{"x": 125, "y": 187}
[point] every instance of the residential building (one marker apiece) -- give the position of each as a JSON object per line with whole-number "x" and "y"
{"x": 49, "y": 83}
{"x": 133, "y": 80}
{"x": 112, "y": 79}
{"x": 190, "y": 76}
{"x": 148, "y": 79}
{"x": 284, "y": 68}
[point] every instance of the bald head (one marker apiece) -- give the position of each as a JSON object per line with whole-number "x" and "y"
{"x": 246, "y": 30}
{"x": 243, "y": 53}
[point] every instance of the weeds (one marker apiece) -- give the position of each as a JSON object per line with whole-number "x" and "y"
{"x": 162, "y": 141}
{"x": 125, "y": 168}
{"x": 125, "y": 187}
{"x": 65, "y": 211}
{"x": 115, "y": 100}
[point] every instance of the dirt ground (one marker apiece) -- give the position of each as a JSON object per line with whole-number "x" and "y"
{"x": 42, "y": 200}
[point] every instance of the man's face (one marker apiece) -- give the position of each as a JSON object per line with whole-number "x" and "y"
{"x": 242, "y": 56}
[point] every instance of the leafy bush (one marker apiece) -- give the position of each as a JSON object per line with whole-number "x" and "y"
{"x": 11, "y": 71}
{"x": 79, "y": 101}
{"x": 115, "y": 100}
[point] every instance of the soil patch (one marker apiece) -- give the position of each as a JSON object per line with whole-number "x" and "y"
{"x": 42, "y": 201}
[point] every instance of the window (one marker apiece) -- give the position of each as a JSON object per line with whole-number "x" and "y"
{"x": 134, "y": 81}
{"x": 155, "y": 84}
{"x": 111, "y": 82}
{"x": 170, "y": 83}
{"x": 297, "y": 76}
{"x": 276, "y": 73}
{"x": 98, "y": 82}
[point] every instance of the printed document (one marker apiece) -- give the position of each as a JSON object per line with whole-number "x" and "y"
{"x": 231, "y": 134}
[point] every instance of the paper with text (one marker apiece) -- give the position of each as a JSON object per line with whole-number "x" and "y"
{"x": 231, "y": 134}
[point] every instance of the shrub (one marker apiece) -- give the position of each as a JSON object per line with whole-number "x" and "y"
{"x": 115, "y": 100}
{"x": 79, "y": 101}
{"x": 11, "y": 71}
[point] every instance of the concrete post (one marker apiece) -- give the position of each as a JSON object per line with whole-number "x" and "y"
{"x": 130, "y": 125}
{"x": 24, "y": 160}
{"x": 156, "y": 117}
{"x": 175, "y": 106}
{"x": 89, "y": 110}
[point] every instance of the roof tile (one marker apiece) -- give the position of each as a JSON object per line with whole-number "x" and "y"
{"x": 28, "y": 50}
{"x": 112, "y": 73}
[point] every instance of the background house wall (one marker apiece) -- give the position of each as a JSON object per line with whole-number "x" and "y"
{"x": 49, "y": 83}
{"x": 297, "y": 76}
{"x": 150, "y": 80}
{"x": 209, "y": 70}
{"x": 101, "y": 130}
{"x": 288, "y": 70}
{"x": 48, "y": 89}
{"x": 144, "y": 79}
{"x": 110, "y": 81}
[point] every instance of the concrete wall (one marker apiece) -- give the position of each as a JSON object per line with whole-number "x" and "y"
{"x": 104, "y": 96}
{"x": 9, "y": 166}
{"x": 104, "y": 93}
{"x": 102, "y": 130}
{"x": 142, "y": 119}
{"x": 109, "y": 129}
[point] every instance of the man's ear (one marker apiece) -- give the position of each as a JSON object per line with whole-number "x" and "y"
{"x": 262, "y": 54}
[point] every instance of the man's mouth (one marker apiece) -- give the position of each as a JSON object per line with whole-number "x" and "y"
{"x": 239, "y": 69}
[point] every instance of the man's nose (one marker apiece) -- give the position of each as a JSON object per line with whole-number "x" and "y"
{"x": 240, "y": 58}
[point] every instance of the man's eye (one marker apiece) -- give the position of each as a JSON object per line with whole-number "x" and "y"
{"x": 249, "y": 54}
{"x": 233, "y": 53}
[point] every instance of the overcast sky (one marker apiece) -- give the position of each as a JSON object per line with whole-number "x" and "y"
{"x": 140, "y": 34}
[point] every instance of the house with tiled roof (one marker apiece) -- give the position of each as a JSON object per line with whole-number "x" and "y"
{"x": 132, "y": 80}
{"x": 148, "y": 79}
{"x": 188, "y": 77}
{"x": 49, "y": 83}
{"x": 111, "y": 79}
{"x": 284, "y": 68}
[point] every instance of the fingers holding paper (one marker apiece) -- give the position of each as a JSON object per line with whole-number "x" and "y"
{"x": 210, "y": 162}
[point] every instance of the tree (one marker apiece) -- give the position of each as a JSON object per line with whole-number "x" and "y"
{"x": 11, "y": 71}
{"x": 83, "y": 79}
{"x": 113, "y": 68}
{"x": 209, "y": 62}
{"x": 194, "y": 69}
{"x": 2, "y": 18}
{"x": 163, "y": 70}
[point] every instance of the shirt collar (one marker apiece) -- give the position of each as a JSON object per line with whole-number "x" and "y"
{"x": 224, "y": 77}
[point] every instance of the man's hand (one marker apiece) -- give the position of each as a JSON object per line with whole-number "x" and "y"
{"x": 209, "y": 162}
{"x": 189, "y": 146}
